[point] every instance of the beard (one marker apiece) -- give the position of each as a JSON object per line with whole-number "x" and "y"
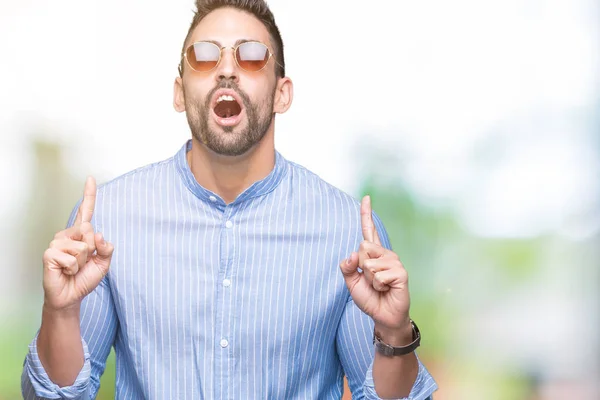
{"x": 229, "y": 140}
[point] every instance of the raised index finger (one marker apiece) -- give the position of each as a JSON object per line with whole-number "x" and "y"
{"x": 366, "y": 220}
{"x": 366, "y": 216}
{"x": 86, "y": 209}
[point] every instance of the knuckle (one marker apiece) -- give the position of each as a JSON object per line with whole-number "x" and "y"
{"x": 47, "y": 254}
{"x": 70, "y": 245}
{"x": 403, "y": 275}
{"x": 88, "y": 227}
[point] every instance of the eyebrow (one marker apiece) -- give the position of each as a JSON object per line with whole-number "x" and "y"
{"x": 237, "y": 42}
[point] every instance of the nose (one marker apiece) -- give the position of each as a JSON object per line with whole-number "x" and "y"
{"x": 227, "y": 68}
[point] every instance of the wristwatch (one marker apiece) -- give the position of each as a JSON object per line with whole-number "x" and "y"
{"x": 391, "y": 351}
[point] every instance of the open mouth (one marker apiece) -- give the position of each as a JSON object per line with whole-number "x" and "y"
{"x": 227, "y": 108}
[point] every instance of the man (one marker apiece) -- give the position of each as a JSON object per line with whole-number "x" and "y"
{"x": 225, "y": 280}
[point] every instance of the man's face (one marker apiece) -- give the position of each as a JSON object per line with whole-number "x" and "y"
{"x": 229, "y": 127}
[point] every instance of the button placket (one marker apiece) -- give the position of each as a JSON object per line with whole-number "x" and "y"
{"x": 224, "y": 294}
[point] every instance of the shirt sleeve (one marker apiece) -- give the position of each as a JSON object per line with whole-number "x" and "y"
{"x": 35, "y": 383}
{"x": 356, "y": 350}
{"x": 422, "y": 389}
{"x": 98, "y": 329}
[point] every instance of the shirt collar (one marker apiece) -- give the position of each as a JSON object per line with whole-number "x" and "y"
{"x": 259, "y": 188}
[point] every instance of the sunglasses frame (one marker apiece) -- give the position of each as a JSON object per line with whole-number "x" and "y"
{"x": 234, "y": 48}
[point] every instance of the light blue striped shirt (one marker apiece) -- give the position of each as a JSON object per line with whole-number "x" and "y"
{"x": 212, "y": 301}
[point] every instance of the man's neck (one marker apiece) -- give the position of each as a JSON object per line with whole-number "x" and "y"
{"x": 229, "y": 176}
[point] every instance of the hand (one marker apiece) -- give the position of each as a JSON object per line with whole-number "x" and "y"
{"x": 77, "y": 259}
{"x": 381, "y": 289}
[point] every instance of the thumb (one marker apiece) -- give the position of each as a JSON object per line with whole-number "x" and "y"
{"x": 358, "y": 286}
{"x": 104, "y": 250}
{"x": 349, "y": 269}
{"x": 90, "y": 276}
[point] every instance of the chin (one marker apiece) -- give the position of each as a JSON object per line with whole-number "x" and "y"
{"x": 228, "y": 129}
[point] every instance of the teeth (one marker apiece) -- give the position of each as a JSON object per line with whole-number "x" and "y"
{"x": 225, "y": 97}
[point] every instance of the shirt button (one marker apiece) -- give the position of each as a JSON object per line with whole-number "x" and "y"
{"x": 212, "y": 198}
{"x": 228, "y": 224}
{"x": 224, "y": 343}
{"x": 226, "y": 282}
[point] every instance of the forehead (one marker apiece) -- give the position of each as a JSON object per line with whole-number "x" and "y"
{"x": 227, "y": 25}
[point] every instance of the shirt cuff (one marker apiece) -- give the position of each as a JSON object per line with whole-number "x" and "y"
{"x": 422, "y": 389}
{"x": 45, "y": 388}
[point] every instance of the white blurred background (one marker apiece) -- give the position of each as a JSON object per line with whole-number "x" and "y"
{"x": 482, "y": 113}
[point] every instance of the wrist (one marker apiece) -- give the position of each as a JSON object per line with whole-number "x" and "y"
{"x": 65, "y": 313}
{"x": 399, "y": 336}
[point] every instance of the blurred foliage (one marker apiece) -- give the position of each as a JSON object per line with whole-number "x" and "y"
{"x": 107, "y": 382}
{"x": 415, "y": 233}
{"x": 517, "y": 259}
{"x": 441, "y": 258}
{"x": 13, "y": 348}
{"x": 53, "y": 192}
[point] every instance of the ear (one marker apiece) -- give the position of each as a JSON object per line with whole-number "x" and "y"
{"x": 284, "y": 94}
{"x": 178, "y": 95}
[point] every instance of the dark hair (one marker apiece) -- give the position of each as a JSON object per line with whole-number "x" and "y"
{"x": 258, "y": 8}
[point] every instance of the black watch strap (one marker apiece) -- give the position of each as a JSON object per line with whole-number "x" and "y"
{"x": 391, "y": 351}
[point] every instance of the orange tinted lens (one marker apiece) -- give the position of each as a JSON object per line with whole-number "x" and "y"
{"x": 252, "y": 56}
{"x": 203, "y": 56}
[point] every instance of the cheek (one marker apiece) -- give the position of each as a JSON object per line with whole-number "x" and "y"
{"x": 196, "y": 94}
{"x": 264, "y": 94}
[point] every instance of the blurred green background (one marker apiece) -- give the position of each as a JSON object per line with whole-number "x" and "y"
{"x": 474, "y": 126}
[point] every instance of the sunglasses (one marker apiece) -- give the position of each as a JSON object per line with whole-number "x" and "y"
{"x": 205, "y": 56}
